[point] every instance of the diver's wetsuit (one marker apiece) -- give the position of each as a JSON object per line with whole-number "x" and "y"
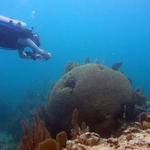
{"x": 15, "y": 35}
{"x": 10, "y": 34}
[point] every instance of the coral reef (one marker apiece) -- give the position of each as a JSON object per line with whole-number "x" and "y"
{"x": 139, "y": 104}
{"x": 76, "y": 130}
{"x": 131, "y": 138}
{"x": 85, "y": 139}
{"x": 99, "y": 93}
{"x": 139, "y": 99}
{"x": 101, "y": 97}
{"x": 37, "y": 137}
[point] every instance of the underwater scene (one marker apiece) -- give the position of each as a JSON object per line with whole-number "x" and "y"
{"x": 74, "y": 75}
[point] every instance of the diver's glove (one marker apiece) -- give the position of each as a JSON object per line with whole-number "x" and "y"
{"x": 36, "y": 57}
{"x": 33, "y": 55}
{"x": 46, "y": 56}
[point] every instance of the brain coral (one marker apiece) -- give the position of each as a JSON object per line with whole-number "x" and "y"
{"x": 98, "y": 92}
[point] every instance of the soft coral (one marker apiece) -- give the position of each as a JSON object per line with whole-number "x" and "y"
{"x": 33, "y": 136}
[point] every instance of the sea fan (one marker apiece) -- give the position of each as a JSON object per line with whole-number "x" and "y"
{"x": 33, "y": 136}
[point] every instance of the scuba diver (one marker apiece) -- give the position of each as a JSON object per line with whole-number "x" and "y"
{"x": 15, "y": 35}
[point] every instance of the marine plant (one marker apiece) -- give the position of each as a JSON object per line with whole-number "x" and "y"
{"x": 54, "y": 144}
{"x": 37, "y": 137}
{"x": 32, "y": 136}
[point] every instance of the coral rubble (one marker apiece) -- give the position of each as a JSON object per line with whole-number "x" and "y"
{"x": 131, "y": 138}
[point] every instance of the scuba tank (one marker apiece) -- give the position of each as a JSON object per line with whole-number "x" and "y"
{"x": 12, "y": 24}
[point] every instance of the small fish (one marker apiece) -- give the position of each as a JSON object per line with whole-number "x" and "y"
{"x": 117, "y": 66}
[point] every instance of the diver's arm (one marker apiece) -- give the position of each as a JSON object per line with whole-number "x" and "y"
{"x": 33, "y": 46}
{"x": 29, "y": 43}
{"x": 23, "y": 54}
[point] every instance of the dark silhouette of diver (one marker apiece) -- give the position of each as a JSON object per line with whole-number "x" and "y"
{"x": 15, "y": 35}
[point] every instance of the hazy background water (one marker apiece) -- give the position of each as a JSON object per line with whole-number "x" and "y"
{"x": 110, "y": 30}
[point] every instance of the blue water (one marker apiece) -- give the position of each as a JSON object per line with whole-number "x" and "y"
{"x": 110, "y": 30}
